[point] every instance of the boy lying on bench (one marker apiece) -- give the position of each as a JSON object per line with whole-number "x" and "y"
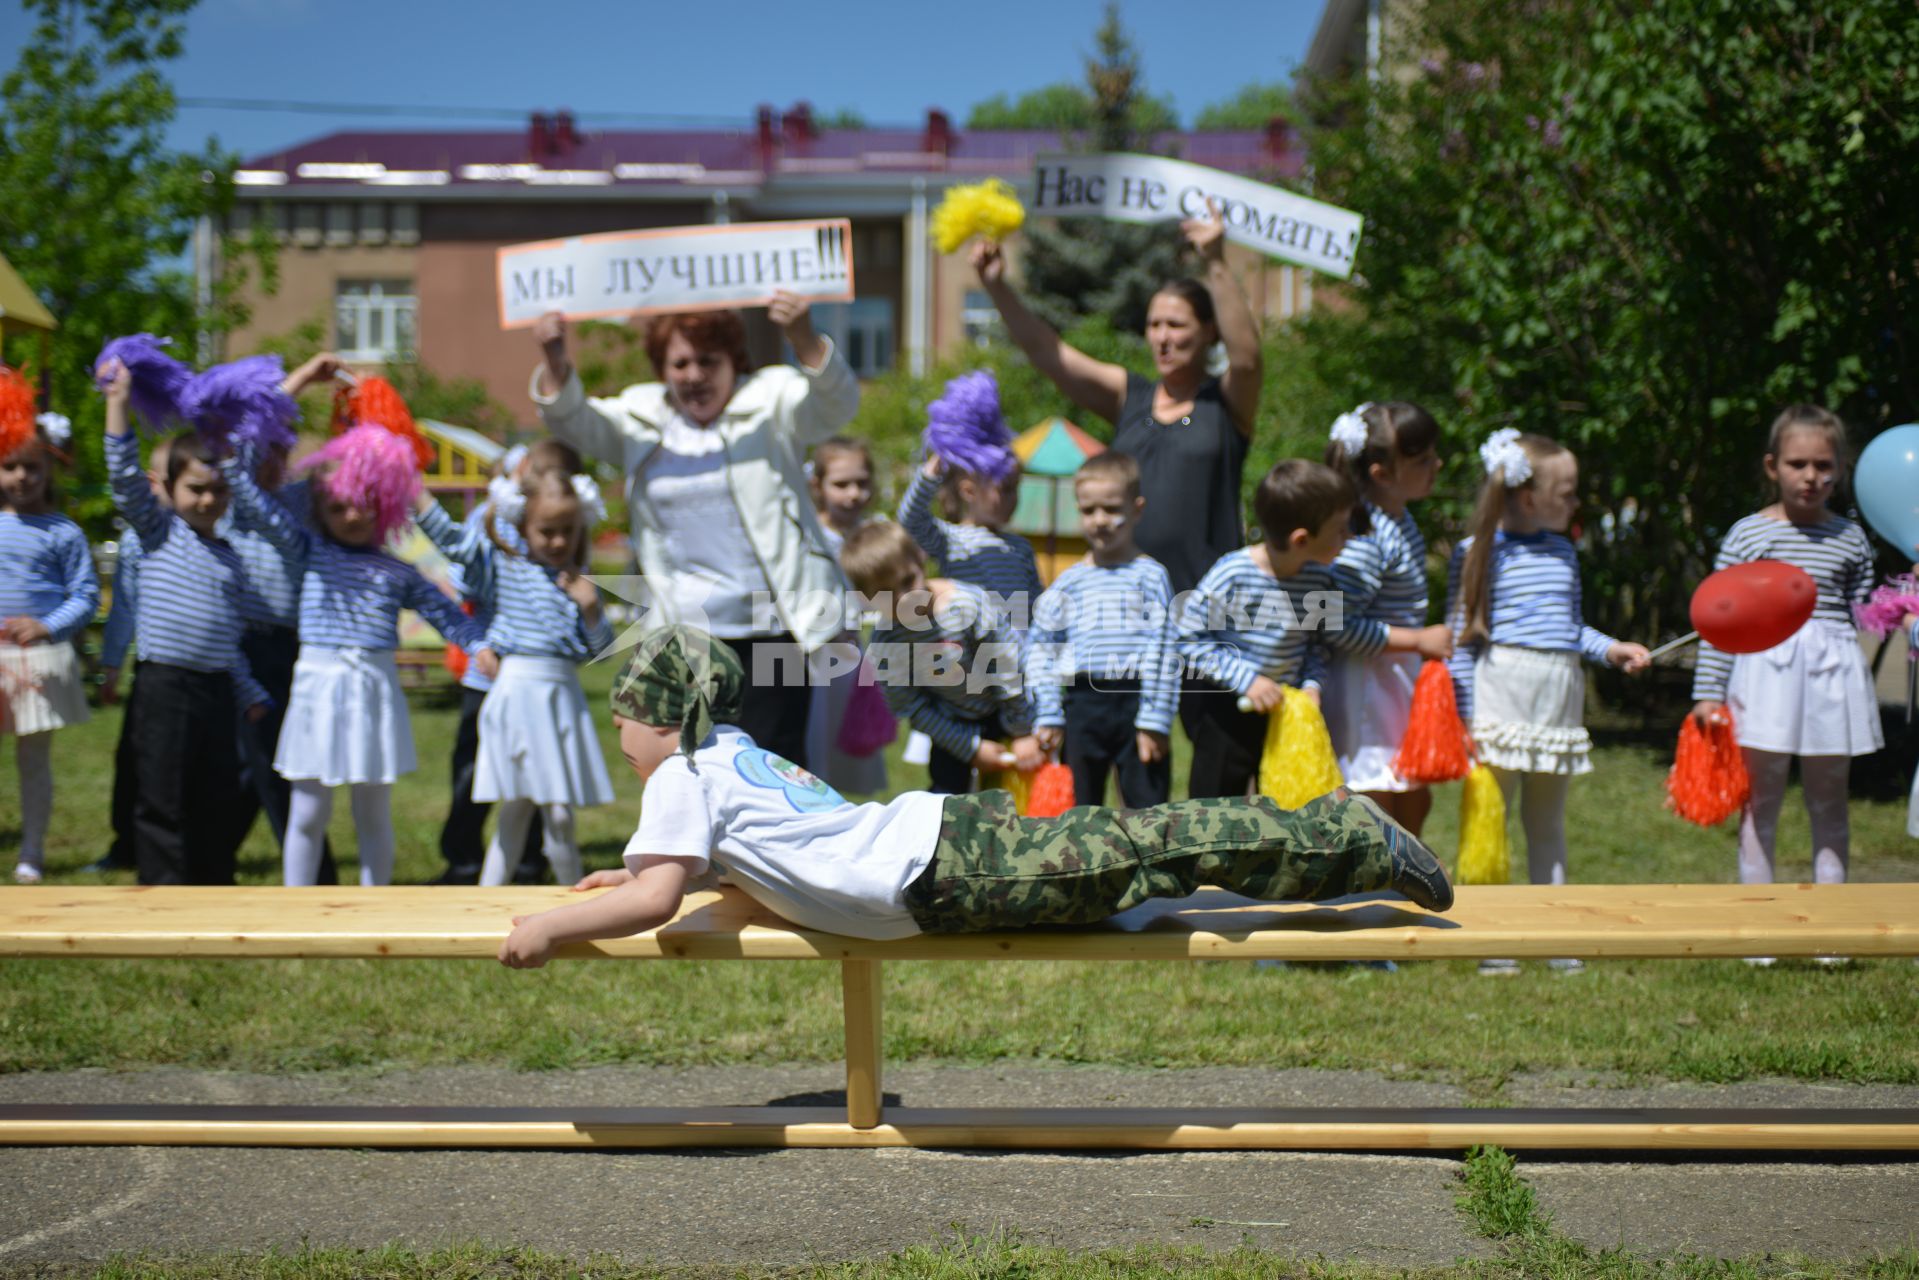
{"x": 926, "y": 863}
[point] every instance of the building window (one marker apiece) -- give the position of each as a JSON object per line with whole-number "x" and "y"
{"x": 979, "y": 318}
{"x": 862, "y": 330}
{"x": 339, "y": 222}
{"x": 373, "y": 320}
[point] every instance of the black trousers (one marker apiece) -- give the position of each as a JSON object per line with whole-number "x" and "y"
{"x": 952, "y": 776}
{"x": 188, "y": 771}
{"x": 126, "y": 789}
{"x": 463, "y": 836}
{"x": 777, "y": 699}
{"x": 1101, "y": 738}
{"x": 271, "y": 653}
{"x": 1227, "y": 742}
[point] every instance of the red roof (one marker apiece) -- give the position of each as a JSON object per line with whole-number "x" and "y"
{"x": 536, "y": 157}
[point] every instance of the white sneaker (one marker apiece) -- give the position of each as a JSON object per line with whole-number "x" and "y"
{"x": 1761, "y": 962}
{"x": 1563, "y": 965}
{"x": 24, "y": 874}
{"x": 1833, "y": 962}
{"x": 1499, "y": 968}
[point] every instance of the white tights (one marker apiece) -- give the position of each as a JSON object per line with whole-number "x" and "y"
{"x": 33, "y": 753}
{"x": 1542, "y": 811}
{"x": 514, "y": 820}
{"x": 1824, "y": 779}
{"x": 307, "y": 814}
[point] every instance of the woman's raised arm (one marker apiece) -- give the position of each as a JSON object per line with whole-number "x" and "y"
{"x": 1091, "y": 384}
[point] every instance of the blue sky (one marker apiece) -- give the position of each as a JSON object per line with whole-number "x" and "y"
{"x": 889, "y": 61}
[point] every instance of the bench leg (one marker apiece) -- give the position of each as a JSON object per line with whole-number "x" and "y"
{"x": 860, "y": 983}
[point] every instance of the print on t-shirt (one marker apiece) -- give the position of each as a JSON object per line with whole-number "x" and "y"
{"x": 806, "y": 793}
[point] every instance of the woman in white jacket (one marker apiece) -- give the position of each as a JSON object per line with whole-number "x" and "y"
{"x": 721, "y": 520}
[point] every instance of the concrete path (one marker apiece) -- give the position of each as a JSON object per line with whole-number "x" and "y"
{"x": 67, "y": 1207}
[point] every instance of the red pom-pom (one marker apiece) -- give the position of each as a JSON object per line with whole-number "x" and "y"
{"x": 373, "y": 399}
{"x": 1708, "y": 782}
{"x": 1436, "y": 747}
{"x": 17, "y": 410}
{"x": 1052, "y": 792}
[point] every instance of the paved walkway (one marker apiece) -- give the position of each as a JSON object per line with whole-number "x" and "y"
{"x": 66, "y": 1207}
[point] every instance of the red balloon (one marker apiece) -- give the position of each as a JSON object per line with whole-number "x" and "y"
{"x": 1749, "y": 608}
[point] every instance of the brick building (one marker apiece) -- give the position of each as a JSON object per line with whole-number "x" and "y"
{"x": 390, "y": 236}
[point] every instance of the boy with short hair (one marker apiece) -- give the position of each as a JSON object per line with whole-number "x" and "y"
{"x": 948, "y": 663}
{"x": 925, "y": 863}
{"x": 1260, "y": 617}
{"x": 1100, "y": 664}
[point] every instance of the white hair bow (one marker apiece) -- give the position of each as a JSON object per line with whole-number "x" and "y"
{"x": 592, "y": 505}
{"x": 57, "y": 427}
{"x": 1502, "y": 453}
{"x": 1349, "y": 431}
{"x": 508, "y": 502}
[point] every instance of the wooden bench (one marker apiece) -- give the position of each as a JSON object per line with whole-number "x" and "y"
{"x": 1593, "y": 922}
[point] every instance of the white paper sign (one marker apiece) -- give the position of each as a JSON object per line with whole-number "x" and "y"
{"x": 1133, "y": 188}
{"x": 702, "y": 268}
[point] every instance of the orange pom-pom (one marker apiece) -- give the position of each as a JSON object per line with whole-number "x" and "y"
{"x": 17, "y": 410}
{"x": 1052, "y": 792}
{"x": 1436, "y": 747}
{"x": 1708, "y": 782}
{"x": 373, "y": 399}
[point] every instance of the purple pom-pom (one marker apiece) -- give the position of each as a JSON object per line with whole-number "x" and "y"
{"x": 966, "y": 429}
{"x": 371, "y": 468}
{"x": 158, "y": 380}
{"x": 241, "y": 403}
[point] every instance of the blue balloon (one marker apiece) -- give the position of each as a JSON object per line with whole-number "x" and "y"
{"x": 1887, "y": 482}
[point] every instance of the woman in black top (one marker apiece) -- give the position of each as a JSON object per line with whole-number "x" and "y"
{"x": 1189, "y": 430}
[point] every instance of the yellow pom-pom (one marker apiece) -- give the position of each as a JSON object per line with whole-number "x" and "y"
{"x": 1011, "y": 780}
{"x": 1484, "y": 857}
{"x": 1298, "y": 763}
{"x": 988, "y": 208}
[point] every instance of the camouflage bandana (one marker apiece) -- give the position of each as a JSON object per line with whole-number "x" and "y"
{"x": 679, "y": 676}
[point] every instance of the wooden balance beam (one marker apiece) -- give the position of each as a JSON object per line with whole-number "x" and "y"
{"x": 1593, "y": 922}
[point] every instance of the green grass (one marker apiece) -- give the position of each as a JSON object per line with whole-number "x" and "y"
{"x": 1684, "y": 1020}
{"x": 1542, "y": 1257}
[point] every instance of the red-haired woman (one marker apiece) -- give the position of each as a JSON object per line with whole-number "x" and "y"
{"x": 720, "y": 516}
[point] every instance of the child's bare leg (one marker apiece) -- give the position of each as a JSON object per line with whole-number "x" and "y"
{"x": 1408, "y": 808}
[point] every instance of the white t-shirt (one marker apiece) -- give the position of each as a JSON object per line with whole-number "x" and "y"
{"x": 712, "y": 568}
{"x": 786, "y": 838}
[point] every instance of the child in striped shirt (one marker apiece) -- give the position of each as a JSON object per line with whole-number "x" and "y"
{"x": 538, "y": 748}
{"x": 48, "y": 592}
{"x": 971, "y": 545}
{"x": 1513, "y": 600}
{"x": 193, "y": 682}
{"x": 1390, "y": 452}
{"x": 948, "y": 664}
{"x": 1810, "y": 696}
{"x": 347, "y": 723}
{"x": 1100, "y": 664}
{"x": 1261, "y": 618}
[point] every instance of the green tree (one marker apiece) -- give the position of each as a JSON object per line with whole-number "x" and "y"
{"x": 1084, "y": 267}
{"x": 1253, "y": 107}
{"x": 93, "y": 205}
{"x": 1639, "y": 230}
{"x": 1067, "y": 107}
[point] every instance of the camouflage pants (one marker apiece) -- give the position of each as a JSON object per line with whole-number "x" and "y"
{"x": 993, "y": 869}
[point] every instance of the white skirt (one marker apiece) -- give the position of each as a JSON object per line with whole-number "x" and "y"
{"x": 1368, "y": 701}
{"x": 40, "y": 688}
{"x": 1529, "y": 711}
{"x": 1811, "y": 696}
{"x": 347, "y": 720}
{"x": 537, "y": 740}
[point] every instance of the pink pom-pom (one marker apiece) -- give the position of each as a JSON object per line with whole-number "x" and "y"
{"x": 1886, "y": 610}
{"x": 373, "y": 469}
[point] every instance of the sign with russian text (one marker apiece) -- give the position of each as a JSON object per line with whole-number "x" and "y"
{"x": 1133, "y": 188}
{"x": 702, "y": 268}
